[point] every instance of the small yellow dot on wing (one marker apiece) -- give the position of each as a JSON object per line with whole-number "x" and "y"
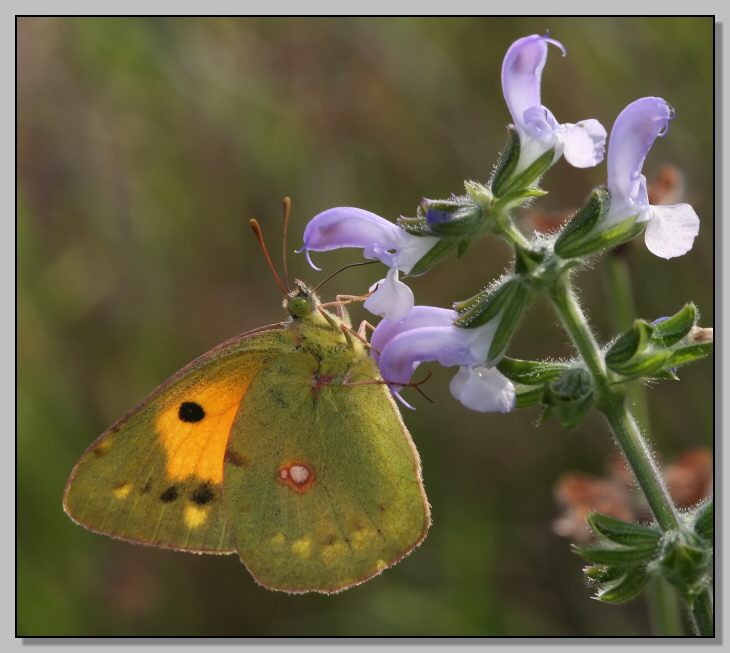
{"x": 194, "y": 516}
{"x": 381, "y": 564}
{"x": 332, "y": 552}
{"x": 122, "y": 491}
{"x": 278, "y": 539}
{"x": 361, "y": 538}
{"x": 302, "y": 547}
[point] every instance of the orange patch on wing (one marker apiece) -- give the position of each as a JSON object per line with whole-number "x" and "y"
{"x": 197, "y": 448}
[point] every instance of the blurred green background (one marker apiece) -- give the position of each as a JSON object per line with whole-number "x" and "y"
{"x": 144, "y": 146}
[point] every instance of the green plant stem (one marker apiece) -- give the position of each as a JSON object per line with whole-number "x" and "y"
{"x": 702, "y": 614}
{"x": 618, "y": 281}
{"x": 664, "y": 610}
{"x": 509, "y": 231}
{"x": 663, "y": 602}
{"x": 612, "y": 404}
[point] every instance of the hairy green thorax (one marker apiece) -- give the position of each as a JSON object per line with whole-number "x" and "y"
{"x": 321, "y": 334}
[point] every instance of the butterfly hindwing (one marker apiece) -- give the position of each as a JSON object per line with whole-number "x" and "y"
{"x": 156, "y": 476}
{"x": 332, "y": 494}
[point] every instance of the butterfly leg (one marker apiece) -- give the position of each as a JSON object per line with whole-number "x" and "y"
{"x": 362, "y": 329}
{"x": 342, "y": 300}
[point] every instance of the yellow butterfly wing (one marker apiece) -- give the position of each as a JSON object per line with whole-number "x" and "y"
{"x": 156, "y": 476}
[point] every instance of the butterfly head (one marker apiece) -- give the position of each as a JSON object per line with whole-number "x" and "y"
{"x": 301, "y": 302}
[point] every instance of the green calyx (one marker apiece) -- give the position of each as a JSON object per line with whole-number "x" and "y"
{"x": 508, "y": 181}
{"x": 656, "y": 350}
{"x": 586, "y": 233}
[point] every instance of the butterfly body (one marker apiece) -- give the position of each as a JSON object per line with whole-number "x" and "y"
{"x": 282, "y": 445}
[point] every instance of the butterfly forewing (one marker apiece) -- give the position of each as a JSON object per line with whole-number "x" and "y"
{"x": 156, "y": 476}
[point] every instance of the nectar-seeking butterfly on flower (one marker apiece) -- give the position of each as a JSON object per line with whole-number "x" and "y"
{"x": 282, "y": 445}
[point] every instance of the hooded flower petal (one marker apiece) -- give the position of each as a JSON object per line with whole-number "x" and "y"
{"x": 391, "y": 298}
{"x": 539, "y": 131}
{"x": 583, "y": 143}
{"x": 420, "y": 316}
{"x": 347, "y": 226}
{"x": 483, "y": 389}
{"x": 428, "y": 334}
{"x": 521, "y": 75}
{"x": 379, "y": 238}
{"x": 671, "y": 230}
{"x": 634, "y": 132}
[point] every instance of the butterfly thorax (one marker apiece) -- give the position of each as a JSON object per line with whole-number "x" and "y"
{"x": 321, "y": 335}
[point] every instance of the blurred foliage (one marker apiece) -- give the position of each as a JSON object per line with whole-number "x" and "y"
{"x": 145, "y": 144}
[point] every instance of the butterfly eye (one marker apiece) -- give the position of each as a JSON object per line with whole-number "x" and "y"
{"x": 300, "y": 306}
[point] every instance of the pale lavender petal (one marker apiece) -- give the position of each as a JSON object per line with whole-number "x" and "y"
{"x": 412, "y": 249}
{"x": 583, "y": 143}
{"x": 351, "y": 227}
{"x": 671, "y": 230}
{"x": 391, "y": 299}
{"x": 406, "y": 351}
{"x": 483, "y": 389}
{"x": 635, "y": 130}
{"x": 420, "y": 316}
{"x": 521, "y": 73}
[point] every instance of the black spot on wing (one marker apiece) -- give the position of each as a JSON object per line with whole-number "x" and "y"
{"x": 189, "y": 411}
{"x": 203, "y": 494}
{"x": 170, "y": 494}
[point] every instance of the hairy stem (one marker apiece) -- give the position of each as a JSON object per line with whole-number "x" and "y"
{"x": 702, "y": 614}
{"x": 663, "y": 601}
{"x": 664, "y": 610}
{"x": 612, "y": 404}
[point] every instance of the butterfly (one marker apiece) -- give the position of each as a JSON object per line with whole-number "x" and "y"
{"x": 282, "y": 445}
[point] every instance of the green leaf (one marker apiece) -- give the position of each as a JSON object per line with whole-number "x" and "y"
{"x": 614, "y": 554}
{"x": 622, "y": 532}
{"x": 512, "y": 312}
{"x": 507, "y": 161}
{"x": 486, "y": 305}
{"x": 527, "y": 260}
{"x": 673, "y": 329}
{"x": 686, "y": 561}
{"x": 529, "y": 175}
{"x": 463, "y": 221}
{"x": 570, "y": 396}
{"x": 519, "y": 196}
{"x": 688, "y": 354}
{"x": 628, "y": 587}
{"x": 647, "y": 364}
{"x": 461, "y": 247}
{"x": 704, "y": 521}
{"x": 530, "y": 372}
{"x": 570, "y": 413}
{"x": 527, "y": 395}
{"x": 629, "y": 343}
{"x": 602, "y": 239}
{"x": 574, "y": 232}
{"x": 439, "y": 251}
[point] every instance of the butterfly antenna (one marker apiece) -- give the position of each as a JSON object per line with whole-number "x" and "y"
{"x": 260, "y": 237}
{"x": 287, "y": 212}
{"x": 334, "y": 274}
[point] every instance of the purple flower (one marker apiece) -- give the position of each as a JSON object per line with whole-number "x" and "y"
{"x": 428, "y": 334}
{"x": 380, "y": 239}
{"x": 582, "y": 144}
{"x": 670, "y": 230}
